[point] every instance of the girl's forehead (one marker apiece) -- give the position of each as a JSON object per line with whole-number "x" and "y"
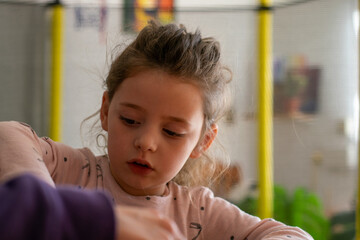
{"x": 155, "y": 77}
{"x": 158, "y": 90}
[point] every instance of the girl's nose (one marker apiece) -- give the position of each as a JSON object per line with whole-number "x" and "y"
{"x": 146, "y": 141}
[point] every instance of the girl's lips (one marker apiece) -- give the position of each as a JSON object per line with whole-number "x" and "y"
{"x": 140, "y": 162}
{"x": 140, "y": 167}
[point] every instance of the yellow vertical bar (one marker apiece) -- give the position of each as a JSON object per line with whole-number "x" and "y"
{"x": 56, "y": 74}
{"x": 265, "y": 111}
{"x": 357, "y": 227}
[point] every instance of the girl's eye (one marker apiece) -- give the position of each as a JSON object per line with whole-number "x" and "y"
{"x": 172, "y": 133}
{"x": 128, "y": 121}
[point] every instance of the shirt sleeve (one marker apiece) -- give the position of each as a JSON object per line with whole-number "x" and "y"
{"x": 223, "y": 220}
{"x": 21, "y": 150}
{"x": 32, "y": 209}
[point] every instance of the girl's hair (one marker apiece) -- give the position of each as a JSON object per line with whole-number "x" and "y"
{"x": 193, "y": 59}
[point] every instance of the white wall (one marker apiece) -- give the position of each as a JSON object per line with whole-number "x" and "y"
{"x": 86, "y": 53}
{"x": 22, "y": 65}
{"x": 323, "y": 31}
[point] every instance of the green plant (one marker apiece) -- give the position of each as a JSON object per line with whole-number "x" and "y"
{"x": 307, "y": 213}
{"x": 303, "y": 210}
{"x": 343, "y": 226}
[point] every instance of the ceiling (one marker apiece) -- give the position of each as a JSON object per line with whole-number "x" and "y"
{"x": 178, "y": 3}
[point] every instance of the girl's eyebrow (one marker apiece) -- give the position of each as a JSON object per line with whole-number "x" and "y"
{"x": 131, "y": 105}
{"x": 177, "y": 119}
{"x": 171, "y": 118}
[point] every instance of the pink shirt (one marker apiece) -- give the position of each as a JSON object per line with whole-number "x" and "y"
{"x": 197, "y": 213}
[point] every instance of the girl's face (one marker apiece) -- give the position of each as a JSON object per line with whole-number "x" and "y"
{"x": 154, "y": 123}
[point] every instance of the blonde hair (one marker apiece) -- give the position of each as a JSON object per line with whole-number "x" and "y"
{"x": 196, "y": 60}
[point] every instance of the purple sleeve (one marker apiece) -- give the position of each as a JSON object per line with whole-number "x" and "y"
{"x": 32, "y": 209}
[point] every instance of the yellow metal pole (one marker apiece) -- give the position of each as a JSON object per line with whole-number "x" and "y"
{"x": 56, "y": 73}
{"x": 265, "y": 111}
{"x": 357, "y": 227}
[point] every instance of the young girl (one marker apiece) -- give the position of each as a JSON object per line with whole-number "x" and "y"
{"x": 164, "y": 95}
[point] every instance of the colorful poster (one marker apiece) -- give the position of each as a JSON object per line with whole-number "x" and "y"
{"x": 138, "y": 12}
{"x": 296, "y": 87}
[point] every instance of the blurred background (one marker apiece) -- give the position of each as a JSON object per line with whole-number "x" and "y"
{"x": 315, "y": 82}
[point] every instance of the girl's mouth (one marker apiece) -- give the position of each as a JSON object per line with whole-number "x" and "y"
{"x": 140, "y": 164}
{"x": 140, "y": 167}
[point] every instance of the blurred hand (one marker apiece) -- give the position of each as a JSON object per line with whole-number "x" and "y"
{"x": 134, "y": 223}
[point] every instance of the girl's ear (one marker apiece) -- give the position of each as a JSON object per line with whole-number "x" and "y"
{"x": 104, "y": 111}
{"x": 205, "y": 142}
